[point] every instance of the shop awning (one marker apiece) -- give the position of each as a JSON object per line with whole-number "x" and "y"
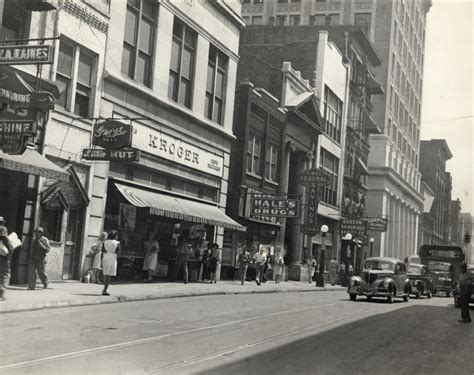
{"x": 178, "y": 208}
{"x": 32, "y": 162}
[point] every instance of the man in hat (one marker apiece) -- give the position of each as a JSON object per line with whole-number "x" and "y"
{"x": 465, "y": 288}
{"x": 38, "y": 259}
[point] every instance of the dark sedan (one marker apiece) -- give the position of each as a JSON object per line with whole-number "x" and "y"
{"x": 421, "y": 280}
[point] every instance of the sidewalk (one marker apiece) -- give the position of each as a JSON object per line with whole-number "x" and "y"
{"x": 74, "y": 293}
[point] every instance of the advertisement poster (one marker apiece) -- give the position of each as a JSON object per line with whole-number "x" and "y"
{"x": 127, "y": 216}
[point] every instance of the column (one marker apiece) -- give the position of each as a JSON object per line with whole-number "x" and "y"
{"x": 392, "y": 234}
{"x": 297, "y": 237}
{"x": 396, "y": 238}
{"x": 285, "y": 172}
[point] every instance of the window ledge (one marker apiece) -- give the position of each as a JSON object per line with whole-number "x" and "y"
{"x": 253, "y": 175}
{"x": 271, "y": 182}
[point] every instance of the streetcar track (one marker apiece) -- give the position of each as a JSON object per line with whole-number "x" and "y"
{"x": 242, "y": 347}
{"x": 153, "y": 338}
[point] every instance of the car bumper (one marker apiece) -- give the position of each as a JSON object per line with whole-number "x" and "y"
{"x": 443, "y": 288}
{"x": 372, "y": 292}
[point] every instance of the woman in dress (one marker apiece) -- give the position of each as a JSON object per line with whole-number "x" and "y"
{"x": 97, "y": 251}
{"x": 214, "y": 259}
{"x": 151, "y": 256}
{"x": 109, "y": 259}
{"x": 278, "y": 267}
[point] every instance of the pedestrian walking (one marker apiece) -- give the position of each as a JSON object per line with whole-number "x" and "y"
{"x": 312, "y": 265}
{"x": 183, "y": 250}
{"x": 259, "y": 259}
{"x": 150, "y": 261}
{"x": 333, "y": 268}
{"x": 205, "y": 262}
{"x": 214, "y": 260}
{"x": 243, "y": 261}
{"x": 97, "y": 261}
{"x": 465, "y": 288}
{"x": 342, "y": 275}
{"x": 110, "y": 250}
{"x": 37, "y": 260}
{"x": 6, "y": 252}
{"x": 278, "y": 267}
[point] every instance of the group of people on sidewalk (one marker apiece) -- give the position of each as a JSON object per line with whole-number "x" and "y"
{"x": 262, "y": 263}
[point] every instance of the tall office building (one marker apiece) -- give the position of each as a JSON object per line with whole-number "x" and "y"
{"x": 397, "y": 29}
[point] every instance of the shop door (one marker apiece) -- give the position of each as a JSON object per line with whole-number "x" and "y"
{"x": 72, "y": 245}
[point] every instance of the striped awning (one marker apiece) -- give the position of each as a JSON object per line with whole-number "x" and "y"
{"x": 178, "y": 208}
{"x": 32, "y": 162}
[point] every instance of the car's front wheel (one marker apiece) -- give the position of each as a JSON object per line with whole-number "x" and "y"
{"x": 406, "y": 298}
{"x": 391, "y": 296}
{"x": 369, "y": 298}
{"x": 353, "y": 296}
{"x": 429, "y": 294}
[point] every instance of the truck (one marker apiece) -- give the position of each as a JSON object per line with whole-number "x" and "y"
{"x": 443, "y": 263}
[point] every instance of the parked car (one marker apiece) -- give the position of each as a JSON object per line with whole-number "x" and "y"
{"x": 442, "y": 274}
{"x": 381, "y": 277}
{"x": 421, "y": 280}
{"x": 456, "y": 292}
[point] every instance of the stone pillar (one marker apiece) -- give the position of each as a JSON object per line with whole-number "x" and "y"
{"x": 284, "y": 186}
{"x": 393, "y": 227}
{"x": 396, "y": 241}
{"x": 297, "y": 238}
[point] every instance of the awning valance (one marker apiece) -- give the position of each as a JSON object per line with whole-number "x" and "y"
{"x": 32, "y": 162}
{"x": 178, "y": 208}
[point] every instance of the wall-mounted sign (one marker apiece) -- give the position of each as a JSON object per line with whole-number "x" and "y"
{"x": 176, "y": 150}
{"x": 353, "y": 225}
{"x": 314, "y": 176}
{"x": 112, "y": 134}
{"x": 312, "y": 201}
{"x": 264, "y": 205}
{"x": 26, "y": 54}
{"x": 96, "y": 154}
{"x": 258, "y": 218}
{"x": 377, "y": 224}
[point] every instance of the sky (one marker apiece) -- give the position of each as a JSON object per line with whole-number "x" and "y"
{"x": 448, "y": 101}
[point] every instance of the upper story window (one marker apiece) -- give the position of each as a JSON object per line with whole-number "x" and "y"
{"x": 216, "y": 83}
{"x": 183, "y": 51}
{"x": 138, "y": 42}
{"x": 254, "y": 150}
{"x": 75, "y": 77}
{"x": 294, "y": 20}
{"x": 332, "y": 114}
{"x": 271, "y": 162}
{"x": 15, "y": 21}
{"x": 257, "y": 20}
{"x": 331, "y": 165}
{"x": 363, "y": 20}
{"x": 280, "y": 20}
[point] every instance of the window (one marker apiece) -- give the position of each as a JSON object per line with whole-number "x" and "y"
{"x": 254, "y": 149}
{"x": 15, "y": 21}
{"x": 271, "y": 162}
{"x": 182, "y": 63}
{"x": 319, "y": 19}
{"x": 75, "y": 62}
{"x": 138, "y": 42}
{"x": 257, "y": 20}
{"x": 51, "y": 221}
{"x": 331, "y": 165}
{"x": 332, "y": 114}
{"x": 294, "y": 20}
{"x": 363, "y": 20}
{"x": 216, "y": 82}
{"x": 334, "y": 19}
{"x": 281, "y": 20}
{"x": 282, "y": 1}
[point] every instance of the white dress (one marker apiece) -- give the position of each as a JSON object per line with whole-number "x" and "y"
{"x": 109, "y": 261}
{"x": 98, "y": 255}
{"x": 151, "y": 257}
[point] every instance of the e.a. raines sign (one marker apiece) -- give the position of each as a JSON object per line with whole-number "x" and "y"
{"x": 26, "y": 54}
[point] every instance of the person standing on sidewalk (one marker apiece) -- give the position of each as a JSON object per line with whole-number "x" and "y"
{"x": 333, "y": 267}
{"x": 312, "y": 265}
{"x": 182, "y": 256}
{"x": 38, "y": 259}
{"x": 214, "y": 260}
{"x": 110, "y": 249}
{"x": 243, "y": 261}
{"x": 205, "y": 262}
{"x": 278, "y": 266}
{"x": 6, "y": 252}
{"x": 97, "y": 251}
{"x": 259, "y": 259}
{"x": 151, "y": 256}
{"x": 465, "y": 288}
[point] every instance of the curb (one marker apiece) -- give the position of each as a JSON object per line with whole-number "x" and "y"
{"x": 122, "y": 298}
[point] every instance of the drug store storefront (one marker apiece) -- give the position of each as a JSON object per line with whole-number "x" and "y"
{"x": 175, "y": 181}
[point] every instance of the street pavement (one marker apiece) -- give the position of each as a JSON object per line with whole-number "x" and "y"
{"x": 73, "y": 293}
{"x": 268, "y": 333}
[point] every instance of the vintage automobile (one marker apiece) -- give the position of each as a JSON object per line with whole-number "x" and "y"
{"x": 421, "y": 280}
{"x": 442, "y": 274}
{"x": 381, "y": 277}
{"x": 456, "y": 292}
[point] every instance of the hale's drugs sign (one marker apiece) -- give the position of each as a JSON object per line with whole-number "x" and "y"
{"x": 267, "y": 205}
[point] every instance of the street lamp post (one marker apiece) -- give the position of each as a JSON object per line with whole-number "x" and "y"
{"x": 322, "y": 257}
{"x": 372, "y": 240}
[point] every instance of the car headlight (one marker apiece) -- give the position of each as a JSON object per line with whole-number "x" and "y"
{"x": 442, "y": 279}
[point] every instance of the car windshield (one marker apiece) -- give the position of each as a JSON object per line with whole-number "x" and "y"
{"x": 414, "y": 269}
{"x": 439, "y": 266}
{"x": 378, "y": 265}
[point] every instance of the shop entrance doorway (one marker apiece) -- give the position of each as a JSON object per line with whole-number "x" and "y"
{"x": 72, "y": 248}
